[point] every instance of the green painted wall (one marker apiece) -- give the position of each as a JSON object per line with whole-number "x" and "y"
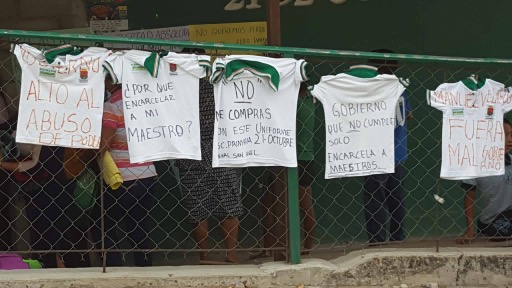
{"x": 436, "y": 27}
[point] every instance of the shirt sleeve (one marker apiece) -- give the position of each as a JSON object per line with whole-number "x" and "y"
{"x": 302, "y": 70}
{"x": 199, "y": 66}
{"x": 219, "y": 67}
{"x": 507, "y": 99}
{"x": 407, "y": 103}
{"x": 29, "y": 164}
{"x": 18, "y": 52}
{"x": 319, "y": 91}
{"x": 111, "y": 116}
{"x": 113, "y": 65}
{"x": 468, "y": 184}
{"x": 435, "y": 98}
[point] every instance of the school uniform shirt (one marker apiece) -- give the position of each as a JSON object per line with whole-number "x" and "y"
{"x": 61, "y": 97}
{"x": 360, "y": 116}
{"x": 473, "y": 140}
{"x": 255, "y": 110}
{"x": 161, "y": 103}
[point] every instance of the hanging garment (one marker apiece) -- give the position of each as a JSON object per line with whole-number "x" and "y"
{"x": 360, "y": 116}
{"x": 472, "y": 137}
{"x": 161, "y": 103}
{"x": 256, "y": 106}
{"x": 61, "y": 98}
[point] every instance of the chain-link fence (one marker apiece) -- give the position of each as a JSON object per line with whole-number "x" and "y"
{"x": 56, "y": 207}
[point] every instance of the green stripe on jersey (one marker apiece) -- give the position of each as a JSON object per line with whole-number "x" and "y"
{"x": 235, "y": 67}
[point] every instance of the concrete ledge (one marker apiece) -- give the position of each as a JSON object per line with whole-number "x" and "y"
{"x": 385, "y": 268}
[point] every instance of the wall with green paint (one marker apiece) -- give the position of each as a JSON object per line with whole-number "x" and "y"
{"x": 473, "y": 28}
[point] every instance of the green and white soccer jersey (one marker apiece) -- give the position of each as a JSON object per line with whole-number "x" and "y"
{"x": 473, "y": 136}
{"x": 161, "y": 103}
{"x": 256, "y": 106}
{"x": 360, "y": 120}
{"x": 61, "y": 97}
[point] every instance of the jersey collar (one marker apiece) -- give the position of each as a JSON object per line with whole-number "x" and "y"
{"x": 51, "y": 54}
{"x": 265, "y": 71}
{"x": 152, "y": 63}
{"x": 473, "y": 83}
{"x": 362, "y": 71}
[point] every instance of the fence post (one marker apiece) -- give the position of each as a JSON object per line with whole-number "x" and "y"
{"x": 293, "y": 215}
{"x": 293, "y": 208}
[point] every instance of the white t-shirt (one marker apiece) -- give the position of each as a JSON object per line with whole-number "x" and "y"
{"x": 473, "y": 143}
{"x": 61, "y": 103}
{"x": 161, "y": 108}
{"x": 360, "y": 122}
{"x": 255, "y": 108}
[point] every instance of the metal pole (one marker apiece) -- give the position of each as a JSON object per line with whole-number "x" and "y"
{"x": 274, "y": 23}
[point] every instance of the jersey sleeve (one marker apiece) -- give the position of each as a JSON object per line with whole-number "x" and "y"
{"x": 219, "y": 67}
{"x": 319, "y": 91}
{"x": 407, "y": 103}
{"x": 435, "y": 98}
{"x": 200, "y": 66}
{"x": 113, "y": 65}
{"x": 17, "y": 52}
{"x": 302, "y": 70}
{"x": 507, "y": 99}
{"x": 23, "y": 55}
{"x": 468, "y": 184}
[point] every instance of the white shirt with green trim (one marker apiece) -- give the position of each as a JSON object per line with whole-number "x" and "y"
{"x": 360, "y": 122}
{"x": 161, "y": 103}
{"x": 473, "y": 139}
{"x": 256, "y": 107}
{"x": 61, "y": 103}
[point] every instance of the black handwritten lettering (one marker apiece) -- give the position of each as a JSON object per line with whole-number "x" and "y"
{"x": 144, "y": 134}
{"x": 249, "y": 113}
{"x": 244, "y": 92}
{"x": 350, "y": 109}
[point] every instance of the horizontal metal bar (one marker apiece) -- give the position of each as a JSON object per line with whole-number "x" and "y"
{"x": 143, "y": 250}
{"x": 252, "y": 48}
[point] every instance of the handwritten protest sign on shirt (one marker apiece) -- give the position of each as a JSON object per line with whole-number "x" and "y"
{"x": 61, "y": 97}
{"x": 360, "y": 119}
{"x": 160, "y": 103}
{"x": 473, "y": 136}
{"x": 255, "y": 111}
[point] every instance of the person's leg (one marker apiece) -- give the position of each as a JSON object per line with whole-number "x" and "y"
{"x": 279, "y": 188}
{"x": 306, "y": 203}
{"x": 308, "y": 215}
{"x": 500, "y": 226}
{"x": 5, "y": 219}
{"x": 112, "y": 218}
{"x": 37, "y": 202}
{"x": 201, "y": 237}
{"x": 73, "y": 227}
{"x": 230, "y": 227}
{"x": 395, "y": 203}
{"x": 138, "y": 221}
{"x": 266, "y": 200}
{"x": 374, "y": 210}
